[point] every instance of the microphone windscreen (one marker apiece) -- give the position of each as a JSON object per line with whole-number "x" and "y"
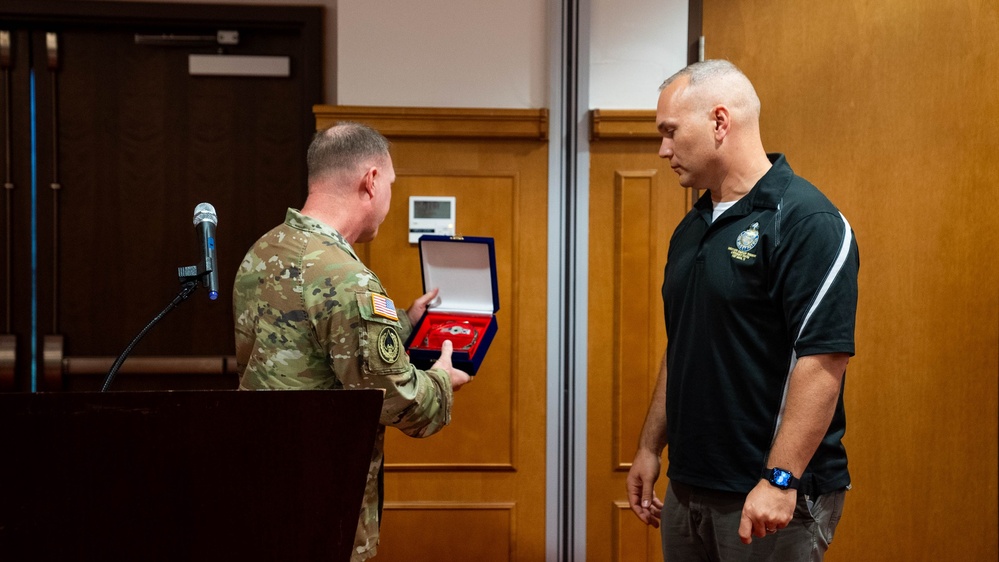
{"x": 205, "y": 212}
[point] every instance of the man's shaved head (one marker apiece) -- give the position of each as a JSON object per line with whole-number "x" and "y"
{"x": 719, "y": 82}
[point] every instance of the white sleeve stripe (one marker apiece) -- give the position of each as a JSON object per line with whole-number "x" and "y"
{"x": 844, "y": 251}
{"x": 837, "y": 266}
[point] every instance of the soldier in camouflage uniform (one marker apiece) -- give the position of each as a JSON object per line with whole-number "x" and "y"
{"x": 310, "y": 315}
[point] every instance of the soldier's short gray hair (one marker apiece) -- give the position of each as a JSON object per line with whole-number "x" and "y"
{"x": 344, "y": 146}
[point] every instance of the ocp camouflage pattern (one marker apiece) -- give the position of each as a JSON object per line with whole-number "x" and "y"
{"x": 304, "y": 320}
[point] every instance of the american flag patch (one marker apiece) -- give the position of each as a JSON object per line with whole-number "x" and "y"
{"x": 383, "y": 306}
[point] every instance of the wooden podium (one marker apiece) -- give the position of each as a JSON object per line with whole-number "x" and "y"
{"x": 193, "y": 475}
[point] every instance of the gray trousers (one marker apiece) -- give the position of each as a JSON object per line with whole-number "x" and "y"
{"x": 703, "y": 525}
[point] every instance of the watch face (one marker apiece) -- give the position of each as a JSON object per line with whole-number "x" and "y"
{"x": 781, "y": 478}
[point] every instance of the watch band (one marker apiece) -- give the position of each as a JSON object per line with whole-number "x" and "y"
{"x": 780, "y": 478}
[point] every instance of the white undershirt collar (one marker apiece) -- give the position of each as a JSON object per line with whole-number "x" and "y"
{"x": 720, "y": 207}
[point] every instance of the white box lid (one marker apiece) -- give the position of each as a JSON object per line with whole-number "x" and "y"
{"x": 464, "y": 269}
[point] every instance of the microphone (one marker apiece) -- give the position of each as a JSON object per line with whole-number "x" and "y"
{"x": 205, "y": 221}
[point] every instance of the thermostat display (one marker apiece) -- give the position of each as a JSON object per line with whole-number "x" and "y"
{"x": 430, "y": 215}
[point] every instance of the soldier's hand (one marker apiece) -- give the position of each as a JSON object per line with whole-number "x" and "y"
{"x": 420, "y": 305}
{"x": 458, "y": 377}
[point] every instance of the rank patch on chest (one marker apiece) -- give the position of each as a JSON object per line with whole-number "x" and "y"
{"x": 745, "y": 242}
{"x": 389, "y": 345}
{"x": 384, "y": 307}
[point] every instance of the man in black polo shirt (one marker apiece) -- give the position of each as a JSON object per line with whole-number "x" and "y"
{"x": 760, "y": 295}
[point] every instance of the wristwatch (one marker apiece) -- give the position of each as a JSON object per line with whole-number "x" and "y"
{"x": 780, "y": 478}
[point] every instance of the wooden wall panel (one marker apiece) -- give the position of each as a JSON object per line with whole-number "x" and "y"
{"x": 633, "y": 540}
{"x": 882, "y": 106}
{"x": 433, "y": 532}
{"x": 453, "y": 496}
{"x": 638, "y": 313}
{"x": 634, "y": 204}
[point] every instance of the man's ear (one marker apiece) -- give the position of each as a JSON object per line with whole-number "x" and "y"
{"x": 368, "y": 180}
{"x": 722, "y": 120}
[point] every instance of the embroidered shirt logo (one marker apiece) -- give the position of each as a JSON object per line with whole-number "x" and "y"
{"x": 745, "y": 242}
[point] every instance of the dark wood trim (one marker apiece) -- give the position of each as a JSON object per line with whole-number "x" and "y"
{"x": 695, "y": 28}
{"x": 46, "y": 13}
{"x": 8, "y": 361}
{"x": 151, "y": 365}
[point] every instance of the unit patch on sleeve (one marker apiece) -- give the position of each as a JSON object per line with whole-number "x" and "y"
{"x": 389, "y": 345}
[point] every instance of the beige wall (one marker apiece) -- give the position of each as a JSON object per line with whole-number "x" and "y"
{"x": 430, "y": 53}
{"x": 890, "y": 107}
{"x": 460, "y": 54}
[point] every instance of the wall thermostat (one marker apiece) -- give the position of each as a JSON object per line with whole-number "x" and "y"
{"x": 430, "y": 215}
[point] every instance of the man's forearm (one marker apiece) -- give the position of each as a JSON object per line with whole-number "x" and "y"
{"x": 653, "y": 436}
{"x": 812, "y": 395}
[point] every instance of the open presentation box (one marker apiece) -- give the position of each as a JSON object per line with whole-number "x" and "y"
{"x": 463, "y": 268}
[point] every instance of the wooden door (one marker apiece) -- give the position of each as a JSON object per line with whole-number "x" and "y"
{"x": 635, "y": 201}
{"x": 113, "y": 144}
{"x": 476, "y": 491}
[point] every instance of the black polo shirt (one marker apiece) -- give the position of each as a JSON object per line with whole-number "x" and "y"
{"x": 772, "y": 279}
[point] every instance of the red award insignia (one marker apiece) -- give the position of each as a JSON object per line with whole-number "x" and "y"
{"x": 463, "y": 335}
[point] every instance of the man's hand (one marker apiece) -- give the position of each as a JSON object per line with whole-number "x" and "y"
{"x": 641, "y": 493}
{"x": 458, "y": 377}
{"x": 768, "y": 509}
{"x": 420, "y": 305}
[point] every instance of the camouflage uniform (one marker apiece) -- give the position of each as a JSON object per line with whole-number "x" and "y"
{"x": 310, "y": 315}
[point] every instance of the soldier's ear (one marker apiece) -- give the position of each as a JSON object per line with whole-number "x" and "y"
{"x": 368, "y": 181}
